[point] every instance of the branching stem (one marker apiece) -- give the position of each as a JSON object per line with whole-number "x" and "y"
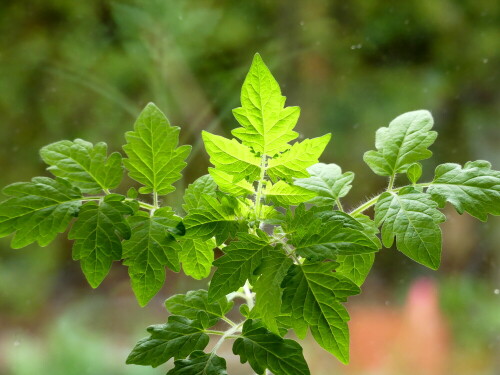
{"x": 258, "y": 196}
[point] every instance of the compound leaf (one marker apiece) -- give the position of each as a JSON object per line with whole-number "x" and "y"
{"x": 231, "y": 157}
{"x": 193, "y": 302}
{"x": 401, "y": 144}
{"x": 265, "y": 350}
{"x": 266, "y": 124}
{"x": 413, "y": 218}
{"x": 200, "y": 363}
{"x": 85, "y": 165}
{"x": 38, "y": 210}
{"x": 475, "y": 188}
{"x": 150, "y": 248}
{"x": 312, "y": 296}
{"x": 295, "y": 161}
{"x": 328, "y": 181}
{"x": 98, "y": 233}
{"x": 154, "y": 160}
{"x": 176, "y": 339}
{"x": 238, "y": 264}
{"x": 197, "y": 256}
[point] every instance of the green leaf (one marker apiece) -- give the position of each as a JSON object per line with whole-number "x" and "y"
{"x": 84, "y": 165}
{"x": 227, "y": 185}
{"x": 175, "y": 339}
{"x": 266, "y": 124}
{"x": 401, "y": 144}
{"x": 414, "y": 172}
{"x": 268, "y": 290}
{"x": 150, "y": 248}
{"x": 295, "y": 161}
{"x": 38, "y": 210}
{"x": 238, "y": 264}
{"x": 328, "y": 181}
{"x": 196, "y": 257}
{"x": 213, "y": 219}
{"x": 98, "y": 233}
{"x": 475, "y": 188}
{"x": 193, "y": 196}
{"x": 200, "y": 363}
{"x": 413, "y": 218}
{"x": 355, "y": 267}
{"x": 284, "y": 194}
{"x": 193, "y": 302}
{"x": 265, "y": 350}
{"x": 154, "y": 159}
{"x": 312, "y": 295}
{"x": 320, "y": 235}
{"x": 231, "y": 157}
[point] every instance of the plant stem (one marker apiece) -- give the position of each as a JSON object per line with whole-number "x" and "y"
{"x": 391, "y": 182}
{"x": 339, "y": 205}
{"x": 155, "y": 200}
{"x": 228, "y": 334}
{"x": 211, "y": 332}
{"x": 258, "y": 196}
{"x": 229, "y": 321}
{"x": 249, "y": 296}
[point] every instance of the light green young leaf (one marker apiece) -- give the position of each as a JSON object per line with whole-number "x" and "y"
{"x": 200, "y": 363}
{"x": 413, "y": 218}
{"x": 231, "y": 157}
{"x": 98, "y": 233}
{"x": 154, "y": 159}
{"x": 195, "y": 301}
{"x": 150, "y": 248}
{"x": 295, "y": 161}
{"x": 197, "y": 256}
{"x": 284, "y": 194}
{"x": 227, "y": 185}
{"x": 84, "y": 165}
{"x": 265, "y": 350}
{"x": 38, "y": 210}
{"x": 404, "y": 142}
{"x": 175, "y": 339}
{"x": 238, "y": 264}
{"x": 328, "y": 181}
{"x": 475, "y": 188}
{"x": 414, "y": 172}
{"x": 312, "y": 295}
{"x": 266, "y": 124}
{"x": 268, "y": 290}
{"x": 213, "y": 219}
{"x": 204, "y": 185}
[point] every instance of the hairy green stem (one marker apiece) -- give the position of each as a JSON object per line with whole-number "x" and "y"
{"x": 249, "y": 296}
{"x": 339, "y": 205}
{"x": 212, "y": 332}
{"x": 228, "y": 334}
{"x": 391, "y": 182}
{"x": 258, "y": 196}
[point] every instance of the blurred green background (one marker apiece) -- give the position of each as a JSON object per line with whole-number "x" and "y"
{"x": 84, "y": 69}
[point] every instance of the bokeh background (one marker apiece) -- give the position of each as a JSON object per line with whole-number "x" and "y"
{"x": 84, "y": 69}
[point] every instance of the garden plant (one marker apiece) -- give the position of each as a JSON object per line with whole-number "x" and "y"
{"x": 292, "y": 254}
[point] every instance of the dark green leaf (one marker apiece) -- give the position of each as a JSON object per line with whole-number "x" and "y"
{"x": 265, "y": 350}
{"x": 175, "y": 339}
{"x": 197, "y": 256}
{"x": 200, "y": 363}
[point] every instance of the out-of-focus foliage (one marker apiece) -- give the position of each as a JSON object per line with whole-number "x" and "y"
{"x": 84, "y": 69}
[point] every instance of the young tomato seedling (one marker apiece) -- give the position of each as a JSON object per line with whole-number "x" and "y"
{"x": 291, "y": 252}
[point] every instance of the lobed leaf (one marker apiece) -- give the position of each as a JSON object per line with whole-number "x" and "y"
{"x": 475, "y": 188}
{"x": 265, "y": 350}
{"x": 38, "y": 210}
{"x": 401, "y": 144}
{"x": 197, "y": 256}
{"x": 178, "y": 338}
{"x": 284, "y": 194}
{"x": 193, "y": 196}
{"x": 85, "y": 165}
{"x": 98, "y": 233}
{"x": 328, "y": 181}
{"x": 413, "y": 218}
{"x": 154, "y": 160}
{"x": 200, "y": 363}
